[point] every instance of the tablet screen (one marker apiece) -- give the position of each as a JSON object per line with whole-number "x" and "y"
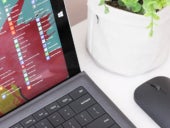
{"x": 31, "y": 53}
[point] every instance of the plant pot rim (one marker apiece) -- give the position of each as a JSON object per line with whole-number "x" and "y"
{"x": 160, "y": 12}
{"x": 94, "y": 5}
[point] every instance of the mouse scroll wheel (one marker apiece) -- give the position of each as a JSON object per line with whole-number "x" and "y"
{"x": 157, "y": 87}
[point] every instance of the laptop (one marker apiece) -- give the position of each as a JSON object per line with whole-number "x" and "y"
{"x": 41, "y": 85}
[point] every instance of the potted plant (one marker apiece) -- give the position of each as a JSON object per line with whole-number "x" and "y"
{"x": 129, "y": 37}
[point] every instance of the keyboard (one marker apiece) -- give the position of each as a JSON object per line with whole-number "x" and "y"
{"x": 77, "y": 109}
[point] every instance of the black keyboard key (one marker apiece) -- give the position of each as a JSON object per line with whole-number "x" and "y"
{"x": 65, "y": 100}
{"x": 27, "y": 122}
{"x": 44, "y": 124}
{"x": 78, "y": 92}
{"x": 66, "y": 112}
{"x": 17, "y": 126}
{"x": 53, "y": 107}
{"x": 115, "y": 126}
{"x": 71, "y": 124}
{"x": 96, "y": 111}
{"x": 83, "y": 118}
{"x": 55, "y": 119}
{"x": 103, "y": 122}
{"x": 82, "y": 103}
{"x": 41, "y": 114}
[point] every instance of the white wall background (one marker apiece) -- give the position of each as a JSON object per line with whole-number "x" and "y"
{"x": 77, "y": 10}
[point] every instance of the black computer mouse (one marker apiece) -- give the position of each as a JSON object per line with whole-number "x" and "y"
{"x": 154, "y": 98}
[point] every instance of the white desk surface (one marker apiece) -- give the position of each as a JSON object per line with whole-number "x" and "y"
{"x": 119, "y": 89}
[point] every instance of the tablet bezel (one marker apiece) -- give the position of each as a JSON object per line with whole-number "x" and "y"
{"x": 66, "y": 37}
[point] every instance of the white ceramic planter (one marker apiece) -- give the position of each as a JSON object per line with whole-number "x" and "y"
{"x": 120, "y": 42}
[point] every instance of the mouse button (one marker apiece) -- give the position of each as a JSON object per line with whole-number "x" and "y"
{"x": 164, "y": 91}
{"x": 144, "y": 91}
{"x": 149, "y": 97}
{"x": 148, "y": 94}
{"x": 163, "y": 82}
{"x": 160, "y": 79}
{"x": 164, "y": 87}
